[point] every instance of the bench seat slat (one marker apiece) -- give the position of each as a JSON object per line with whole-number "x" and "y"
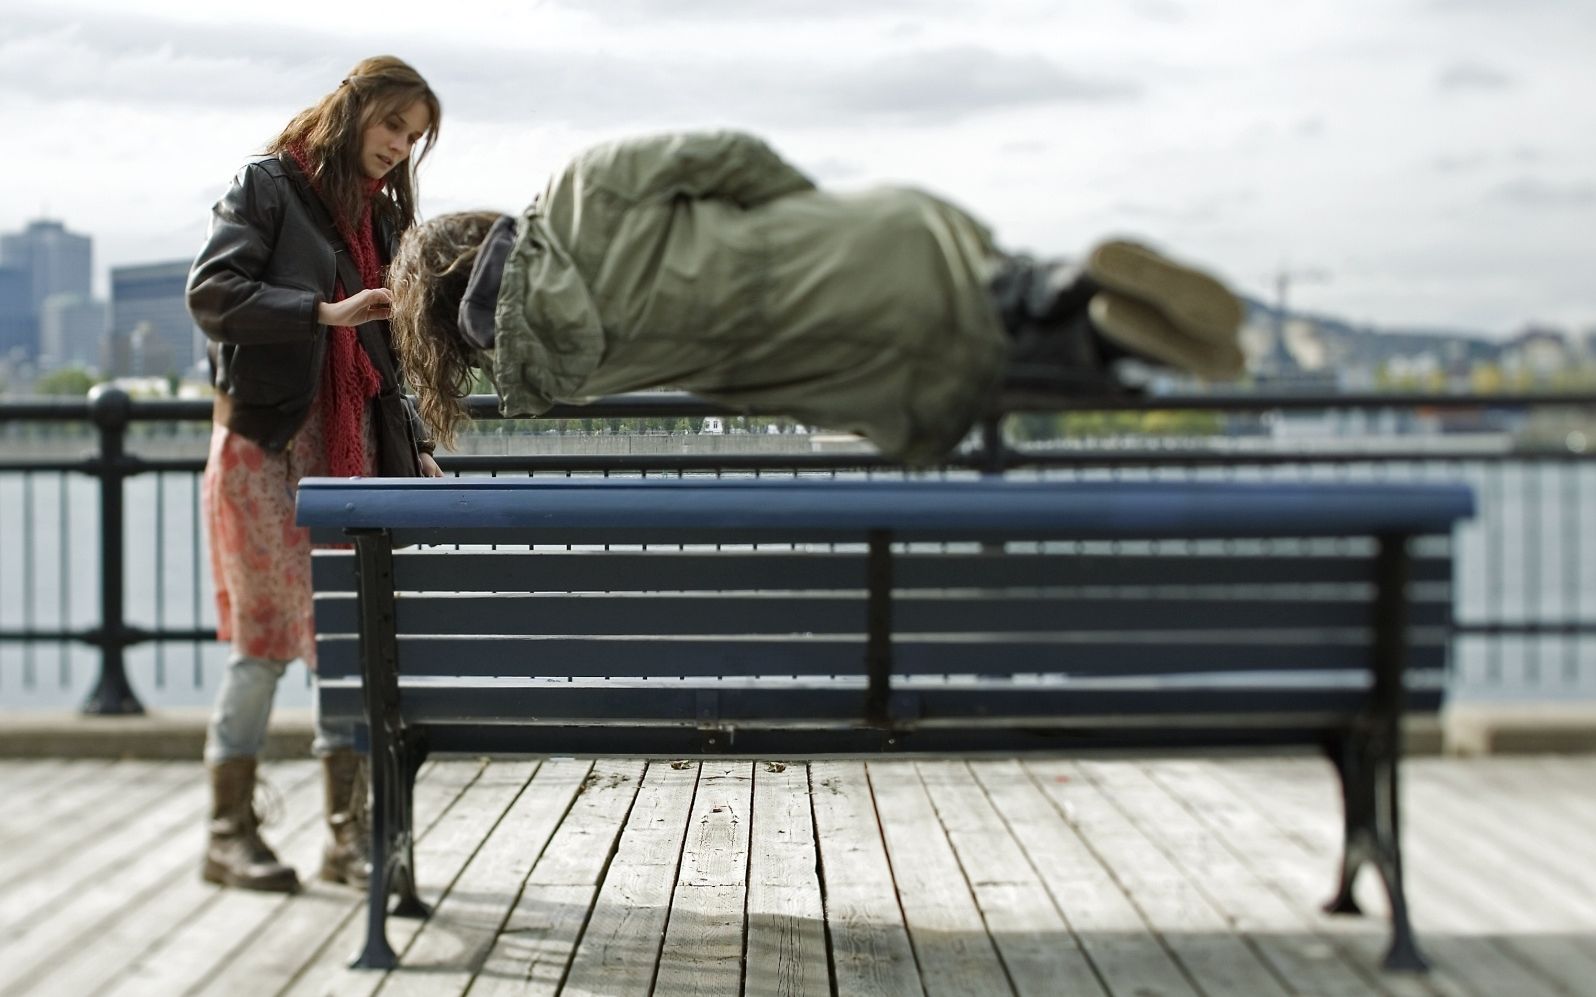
{"x": 638, "y": 740}
{"x": 791, "y": 707}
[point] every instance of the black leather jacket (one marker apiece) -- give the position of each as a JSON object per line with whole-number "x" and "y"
{"x": 271, "y": 256}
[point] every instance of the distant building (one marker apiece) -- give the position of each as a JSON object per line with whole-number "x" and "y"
{"x": 1537, "y": 353}
{"x": 19, "y": 329}
{"x": 148, "y": 309}
{"x": 149, "y": 353}
{"x": 116, "y": 353}
{"x": 71, "y": 327}
{"x": 52, "y": 261}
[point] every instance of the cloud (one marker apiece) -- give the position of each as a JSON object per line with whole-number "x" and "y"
{"x": 132, "y": 60}
{"x": 1202, "y": 209}
{"x": 1311, "y": 126}
{"x": 1468, "y": 162}
{"x": 1532, "y": 192}
{"x": 1462, "y": 77}
{"x": 631, "y": 12}
{"x": 127, "y": 59}
{"x": 832, "y": 170}
{"x": 959, "y": 81}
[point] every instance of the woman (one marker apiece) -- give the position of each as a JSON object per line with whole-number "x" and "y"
{"x": 288, "y": 286}
{"x": 705, "y": 262}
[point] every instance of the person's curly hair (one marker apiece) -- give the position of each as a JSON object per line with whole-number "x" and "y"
{"x": 428, "y": 279}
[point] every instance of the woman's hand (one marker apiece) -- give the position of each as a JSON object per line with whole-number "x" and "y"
{"x": 429, "y": 467}
{"x": 357, "y": 309}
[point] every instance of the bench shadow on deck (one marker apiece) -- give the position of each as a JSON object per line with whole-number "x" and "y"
{"x": 1113, "y": 875}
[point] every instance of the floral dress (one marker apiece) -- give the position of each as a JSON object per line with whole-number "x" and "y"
{"x": 260, "y": 560}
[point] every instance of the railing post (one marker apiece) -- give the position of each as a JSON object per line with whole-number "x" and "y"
{"x": 994, "y": 451}
{"x": 111, "y": 411}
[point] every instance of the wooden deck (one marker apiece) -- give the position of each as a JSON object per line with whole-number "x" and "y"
{"x": 1124, "y": 877}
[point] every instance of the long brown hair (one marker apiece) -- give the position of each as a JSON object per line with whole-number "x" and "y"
{"x": 428, "y": 279}
{"x": 329, "y": 134}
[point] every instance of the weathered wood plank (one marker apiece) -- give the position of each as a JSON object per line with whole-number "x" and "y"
{"x": 870, "y": 949}
{"x": 533, "y": 950}
{"x": 1204, "y": 943}
{"x": 1279, "y": 932}
{"x": 1300, "y": 880}
{"x": 85, "y": 810}
{"x": 154, "y": 853}
{"x": 28, "y": 903}
{"x": 1300, "y": 796}
{"x": 440, "y": 859}
{"x": 297, "y": 939}
{"x": 1563, "y": 864}
{"x": 786, "y": 947}
{"x": 58, "y": 801}
{"x": 1038, "y": 949}
{"x": 1542, "y": 920}
{"x": 955, "y": 953}
{"x": 223, "y": 919}
{"x": 619, "y": 951}
{"x": 1126, "y": 954}
{"x": 1255, "y": 838}
{"x": 454, "y": 943}
{"x": 30, "y": 781}
{"x": 1539, "y": 894}
{"x": 703, "y": 949}
{"x": 260, "y": 960}
{"x": 324, "y": 969}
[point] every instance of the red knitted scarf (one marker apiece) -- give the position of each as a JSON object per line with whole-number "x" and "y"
{"x": 349, "y": 381}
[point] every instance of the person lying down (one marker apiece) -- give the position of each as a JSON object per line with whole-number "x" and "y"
{"x": 705, "y": 262}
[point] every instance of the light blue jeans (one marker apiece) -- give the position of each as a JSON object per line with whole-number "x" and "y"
{"x": 244, "y": 705}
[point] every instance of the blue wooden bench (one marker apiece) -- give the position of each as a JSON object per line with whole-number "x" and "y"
{"x": 798, "y": 617}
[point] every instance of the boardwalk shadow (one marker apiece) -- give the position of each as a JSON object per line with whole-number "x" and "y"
{"x": 675, "y": 951}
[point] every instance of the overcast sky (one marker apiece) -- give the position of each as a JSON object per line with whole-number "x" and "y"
{"x": 1416, "y": 162}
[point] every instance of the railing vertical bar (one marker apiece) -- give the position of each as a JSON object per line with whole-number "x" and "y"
{"x": 1495, "y": 594}
{"x": 1532, "y": 568}
{"x": 29, "y": 530}
{"x": 196, "y": 580}
{"x": 160, "y": 578}
{"x": 63, "y": 607}
{"x": 1570, "y": 551}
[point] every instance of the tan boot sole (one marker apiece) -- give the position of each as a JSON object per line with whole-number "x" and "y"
{"x": 1141, "y": 329}
{"x": 1194, "y": 302}
{"x": 216, "y": 872}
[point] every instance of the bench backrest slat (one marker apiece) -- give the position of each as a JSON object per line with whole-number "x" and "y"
{"x": 771, "y": 613}
{"x": 667, "y": 570}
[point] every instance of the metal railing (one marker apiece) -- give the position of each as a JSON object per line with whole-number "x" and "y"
{"x": 1531, "y": 504}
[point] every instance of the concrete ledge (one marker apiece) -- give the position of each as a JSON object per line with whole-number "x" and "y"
{"x": 162, "y": 734}
{"x": 1520, "y": 728}
{"x": 1469, "y": 729}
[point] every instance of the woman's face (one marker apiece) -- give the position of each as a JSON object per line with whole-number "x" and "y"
{"x": 387, "y": 141}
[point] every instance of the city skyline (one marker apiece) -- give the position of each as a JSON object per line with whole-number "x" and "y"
{"x": 1421, "y": 157}
{"x": 50, "y": 318}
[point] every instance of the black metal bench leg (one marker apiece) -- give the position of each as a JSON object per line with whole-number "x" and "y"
{"x": 395, "y": 754}
{"x": 1355, "y": 807}
{"x": 1369, "y": 795}
{"x": 1404, "y": 952}
{"x": 377, "y": 953}
{"x": 404, "y": 879}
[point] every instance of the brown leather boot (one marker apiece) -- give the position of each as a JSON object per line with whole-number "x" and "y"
{"x": 347, "y": 857}
{"x": 236, "y": 855}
